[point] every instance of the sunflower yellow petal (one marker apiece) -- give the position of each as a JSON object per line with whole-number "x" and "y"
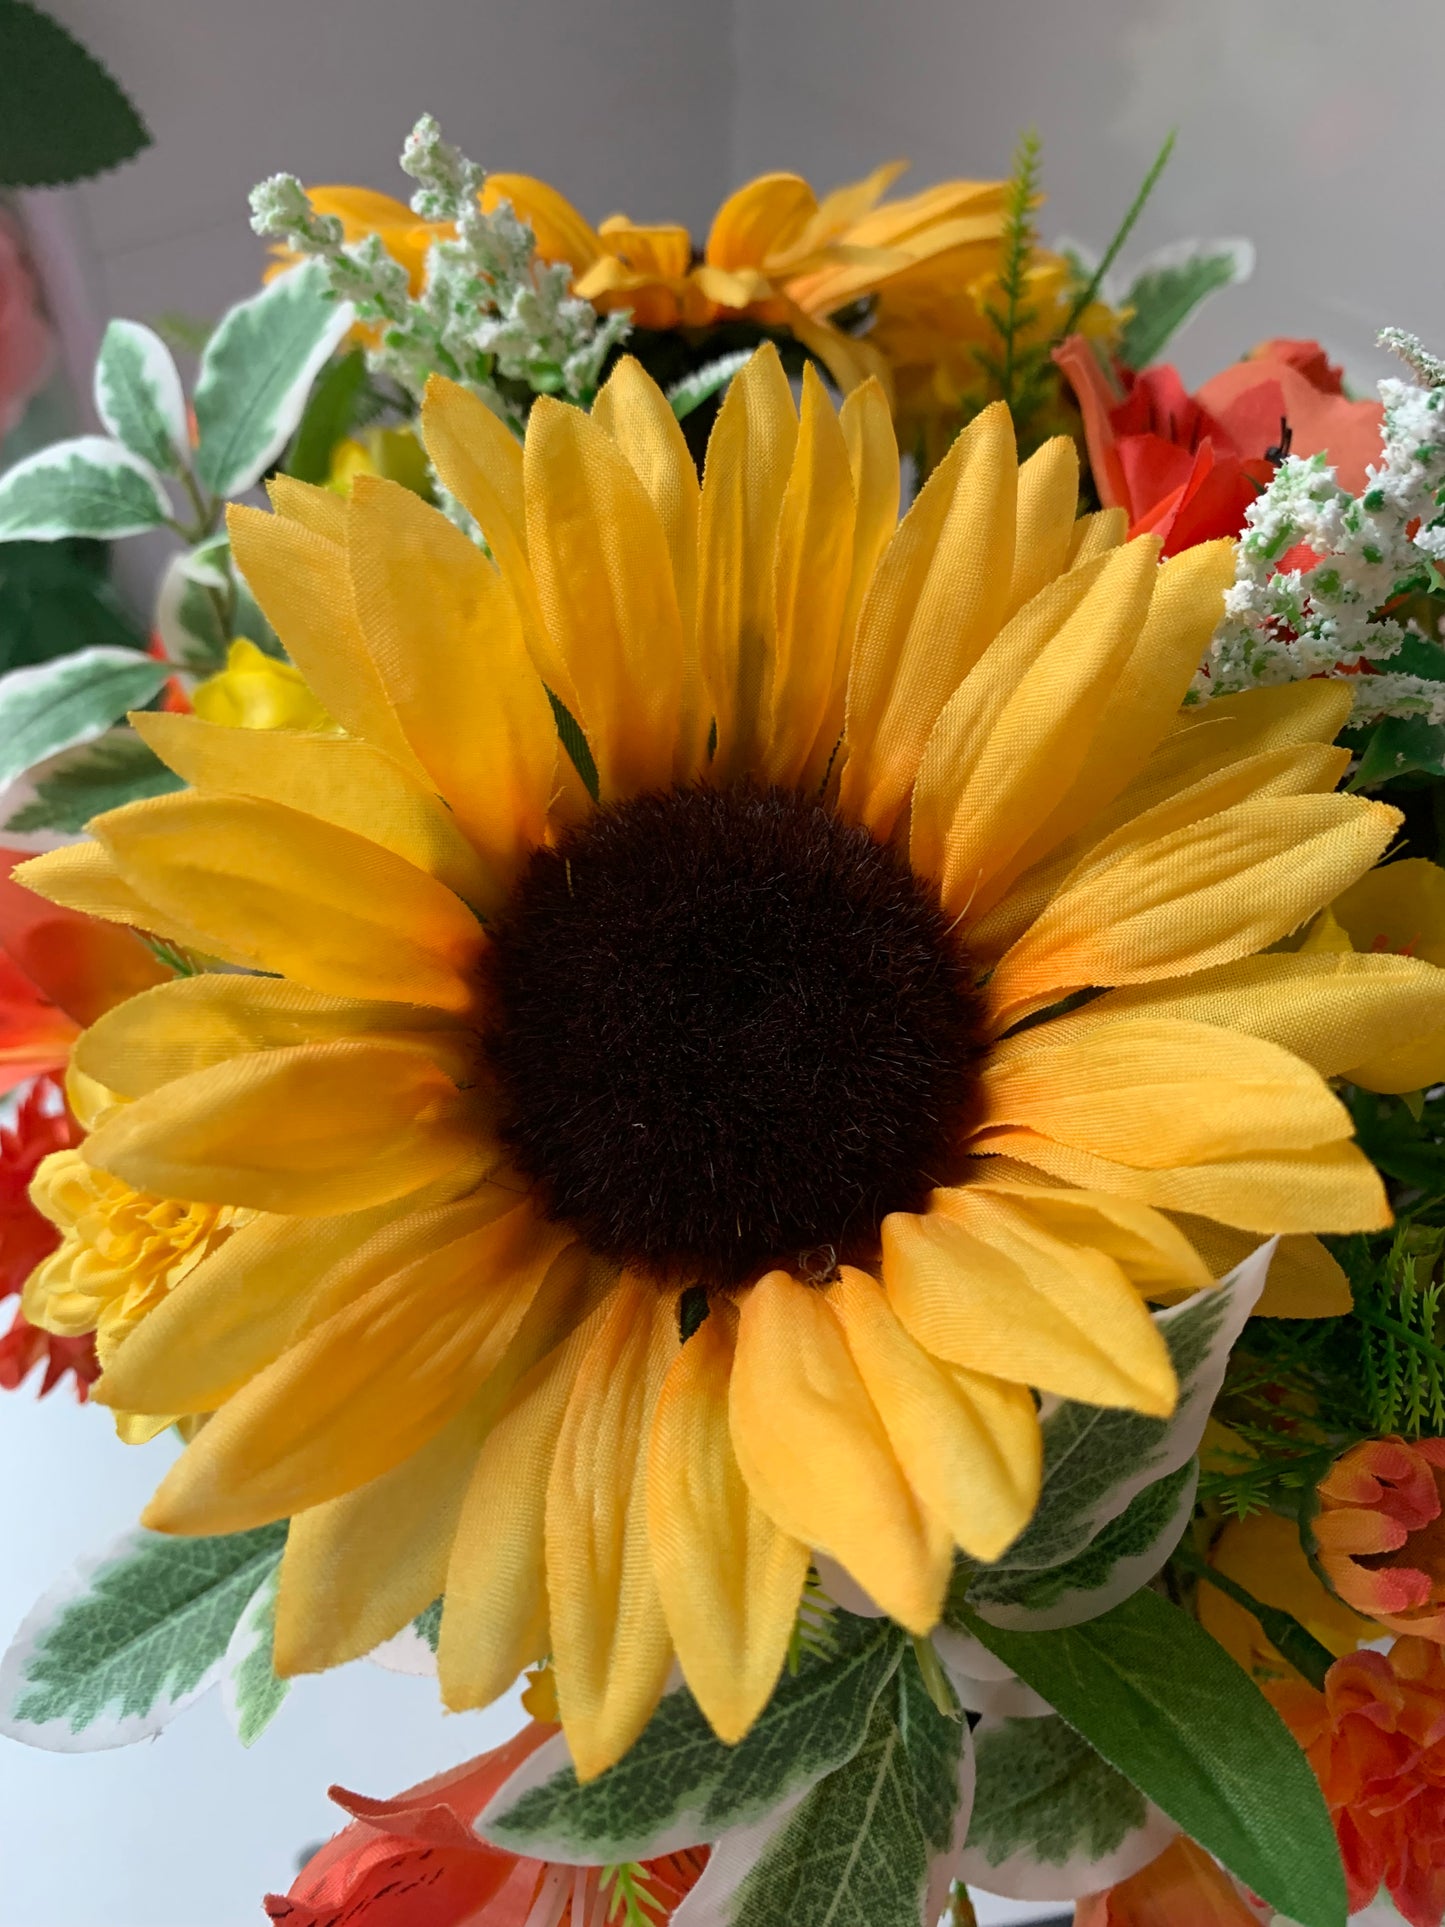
{"x": 86, "y": 877}
{"x": 970, "y": 1445}
{"x": 610, "y": 1644}
{"x": 447, "y": 641}
{"x": 1202, "y": 895}
{"x": 1094, "y": 535}
{"x": 817, "y": 1457}
{"x": 936, "y": 601}
{"x": 730, "y": 1580}
{"x": 366, "y": 1389}
{"x": 1048, "y": 495}
{"x": 813, "y": 565}
{"x": 604, "y": 577}
{"x": 291, "y": 894}
{"x": 1304, "y": 1280}
{"x": 300, "y": 580}
{"x": 480, "y": 461}
{"x": 987, "y": 1287}
{"x": 749, "y": 458}
{"x": 321, "y": 510}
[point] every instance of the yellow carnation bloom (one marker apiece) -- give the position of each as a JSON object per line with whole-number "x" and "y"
{"x": 666, "y": 1176}
{"x": 255, "y": 691}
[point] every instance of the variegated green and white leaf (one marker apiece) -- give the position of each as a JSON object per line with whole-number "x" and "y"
{"x": 130, "y": 1638}
{"x": 202, "y": 607}
{"x": 256, "y": 373}
{"x": 1171, "y": 286}
{"x": 705, "y": 382}
{"x": 412, "y": 1651}
{"x": 86, "y": 486}
{"x": 69, "y": 789}
{"x": 981, "y": 1680}
{"x": 1118, "y": 1560}
{"x": 138, "y": 395}
{"x": 1052, "y": 1820}
{"x": 252, "y": 1691}
{"x": 72, "y": 699}
{"x": 679, "y": 1784}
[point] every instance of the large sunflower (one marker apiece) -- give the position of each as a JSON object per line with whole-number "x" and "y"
{"x": 660, "y": 1185}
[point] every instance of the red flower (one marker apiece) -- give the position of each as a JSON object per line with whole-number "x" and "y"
{"x": 1379, "y": 1533}
{"x": 1376, "y": 1740}
{"x": 42, "y": 1125}
{"x": 1186, "y": 467}
{"x": 415, "y": 1862}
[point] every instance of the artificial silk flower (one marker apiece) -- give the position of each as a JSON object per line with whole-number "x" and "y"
{"x": 1376, "y": 1740}
{"x": 682, "y": 1155}
{"x": 41, "y": 1125}
{"x": 257, "y": 691}
{"x": 394, "y": 453}
{"x": 1263, "y": 1554}
{"x": 1184, "y": 1887}
{"x": 1378, "y": 1533}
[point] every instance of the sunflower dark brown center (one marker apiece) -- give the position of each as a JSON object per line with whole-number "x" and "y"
{"x": 730, "y": 1031}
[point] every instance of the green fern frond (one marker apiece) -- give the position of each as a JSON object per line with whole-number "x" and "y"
{"x": 629, "y": 1898}
{"x": 812, "y": 1634}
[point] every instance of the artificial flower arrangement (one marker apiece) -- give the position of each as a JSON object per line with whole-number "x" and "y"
{"x": 712, "y": 1023}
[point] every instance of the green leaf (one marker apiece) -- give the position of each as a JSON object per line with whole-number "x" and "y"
{"x": 116, "y": 769}
{"x": 62, "y": 116}
{"x": 330, "y": 416}
{"x": 55, "y": 600}
{"x": 429, "y": 1624}
{"x": 251, "y": 1690}
{"x": 138, "y": 395}
{"x": 1125, "y": 1555}
{"x": 679, "y": 1784}
{"x": 1397, "y": 746}
{"x": 130, "y": 1638}
{"x": 705, "y": 382}
{"x": 856, "y": 1851}
{"x": 256, "y": 373}
{"x": 1097, "y": 1460}
{"x": 1171, "y": 286}
{"x": 88, "y": 486}
{"x": 204, "y": 605}
{"x": 1168, "y": 1707}
{"x": 73, "y": 699}
{"x": 1052, "y": 1820}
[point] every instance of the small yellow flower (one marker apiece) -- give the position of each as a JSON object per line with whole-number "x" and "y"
{"x": 393, "y": 453}
{"x": 256, "y": 691}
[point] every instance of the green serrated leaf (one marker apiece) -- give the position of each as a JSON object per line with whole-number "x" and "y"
{"x": 1051, "y": 1819}
{"x": 55, "y": 600}
{"x": 429, "y": 1624}
{"x": 256, "y": 373}
{"x": 62, "y": 116}
{"x": 73, "y": 699}
{"x": 1398, "y": 746}
{"x": 679, "y": 1784}
{"x": 87, "y": 486}
{"x": 330, "y": 416}
{"x": 1170, "y": 1710}
{"x": 705, "y": 382}
{"x": 138, "y": 395}
{"x": 103, "y": 775}
{"x": 130, "y": 1638}
{"x": 251, "y": 1689}
{"x": 1171, "y": 286}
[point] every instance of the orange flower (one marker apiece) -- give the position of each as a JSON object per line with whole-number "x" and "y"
{"x": 1184, "y": 1887}
{"x": 1379, "y": 1533}
{"x": 1376, "y": 1740}
{"x": 414, "y": 1861}
{"x": 1263, "y": 1554}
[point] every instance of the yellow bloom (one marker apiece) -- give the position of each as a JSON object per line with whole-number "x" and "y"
{"x": 660, "y": 1189}
{"x": 394, "y": 453}
{"x": 255, "y": 691}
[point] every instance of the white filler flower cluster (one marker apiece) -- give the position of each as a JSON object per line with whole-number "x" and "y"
{"x": 1281, "y": 625}
{"x": 491, "y": 315}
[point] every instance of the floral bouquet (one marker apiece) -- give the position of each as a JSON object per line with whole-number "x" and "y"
{"x": 746, "y": 1012}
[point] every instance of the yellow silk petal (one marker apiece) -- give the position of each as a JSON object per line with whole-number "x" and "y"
{"x": 1159, "y": 1091}
{"x": 321, "y": 510}
{"x": 447, "y": 642}
{"x": 749, "y": 458}
{"x": 936, "y": 601}
{"x": 604, "y": 577}
{"x": 1304, "y": 1280}
{"x": 760, "y": 219}
{"x": 301, "y": 582}
{"x": 1048, "y": 495}
{"x": 480, "y": 461}
{"x": 636, "y": 414}
{"x": 365, "y": 1390}
{"x": 1154, "y": 1255}
{"x": 730, "y": 1580}
{"x": 813, "y": 566}
{"x": 1331, "y": 1187}
{"x": 610, "y": 1645}
{"x": 1094, "y": 535}
{"x": 1398, "y": 908}
{"x": 985, "y": 1287}
{"x": 817, "y": 1457}
{"x": 337, "y": 778}
{"x": 194, "y": 1022}
{"x": 970, "y": 1445}
{"x": 86, "y": 877}
{"x": 300, "y": 897}
{"x": 317, "y": 1130}
{"x": 1201, "y": 895}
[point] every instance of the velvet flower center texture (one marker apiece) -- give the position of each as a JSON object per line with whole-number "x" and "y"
{"x": 730, "y": 1031}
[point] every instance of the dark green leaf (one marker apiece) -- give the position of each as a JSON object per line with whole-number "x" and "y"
{"x": 1400, "y": 746}
{"x": 1171, "y": 286}
{"x": 117, "y": 769}
{"x": 62, "y": 116}
{"x": 55, "y": 599}
{"x": 330, "y": 416}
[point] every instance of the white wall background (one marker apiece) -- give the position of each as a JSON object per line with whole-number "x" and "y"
{"x": 1309, "y": 125}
